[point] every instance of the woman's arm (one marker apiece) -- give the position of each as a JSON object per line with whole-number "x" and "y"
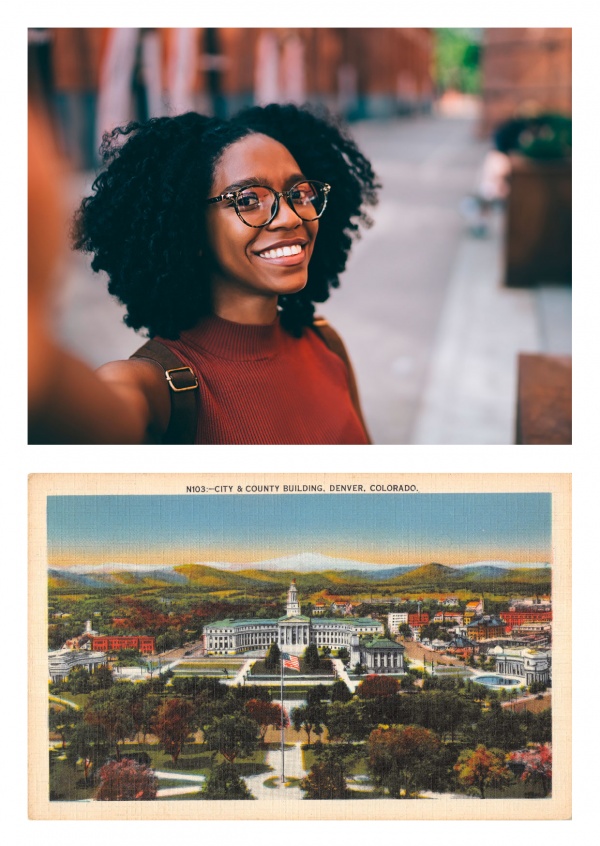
{"x": 124, "y": 402}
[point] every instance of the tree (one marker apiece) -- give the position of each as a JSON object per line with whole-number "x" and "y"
{"x": 327, "y": 776}
{"x": 87, "y": 743}
{"x": 311, "y": 658}
{"x": 405, "y": 630}
{"x": 316, "y": 694}
{"x": 234, "y": 736}
{"x": 339, "y": 692}
{"x": 126, "y": 781}
{"x": 347, "y": 721}
{"x": 401, "y": 758}
{"x": 446, "y": 712}
{"x": 273, "y": 659}
{"x": 61, "y": 721}
{"x": 501, "y": 728}
{"x": 173, "y": 723}
{"x": 482, "y": 768}
{"x": 309, "y": 717}
{"x": 112, "y": 709}
{"x": 224, "y": 782}
{"x": 79, "y": 680}
{"x": 374, "y": 686}
{"x": 101, "y": 679}
{"x": 343, "y": 654}
{"x": 266, "y": 714}
{"x": 540, "y": 727}
{"x": 457, "y": 61}
{"x": 536, "y": 765}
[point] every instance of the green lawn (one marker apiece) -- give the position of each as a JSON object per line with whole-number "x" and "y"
{"x": 325, "y": 669}
{"x": 67, "y": 785}
{"x": 194, "y": 759}
{"x": 200, "y": 666}
{"x": 78, "y": 699}
{"x": 356, "y": 767}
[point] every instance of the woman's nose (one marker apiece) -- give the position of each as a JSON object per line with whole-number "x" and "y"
{"x": 285, "y": 216}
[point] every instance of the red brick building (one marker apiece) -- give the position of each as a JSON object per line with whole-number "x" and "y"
{"x": 418, "y": 620}
{"x": 518, "y": 618}
{"x": 115, "y": 643}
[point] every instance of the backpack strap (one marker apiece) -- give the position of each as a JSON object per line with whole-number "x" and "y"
{"x": 183, "y": 384}
{"x": 333, "y": 341}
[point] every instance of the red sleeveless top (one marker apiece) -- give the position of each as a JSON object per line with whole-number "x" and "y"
{"x": 260, "y": 385}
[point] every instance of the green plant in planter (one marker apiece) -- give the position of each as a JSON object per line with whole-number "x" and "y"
{"x": 546, "y": 137}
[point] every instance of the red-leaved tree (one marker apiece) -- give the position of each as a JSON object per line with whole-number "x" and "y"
{"x": 374, "y": 685}
{"x": 173, "y": 723}
{"x": 537, "y": 764}
{"x": 126, "y": 781}
{"x": 266, "y": 714}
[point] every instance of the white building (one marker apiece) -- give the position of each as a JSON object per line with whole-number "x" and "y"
{"x": 396, "y": 619}
{"x": 62, "y": 661}
{"x": 292, "y": 633}
{"x": 378, "y": 655}
{"x": 531, "y": 665}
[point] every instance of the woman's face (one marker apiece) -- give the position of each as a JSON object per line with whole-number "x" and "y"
{"x": 243, "y": 258}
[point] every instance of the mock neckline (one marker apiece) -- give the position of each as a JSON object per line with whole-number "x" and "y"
{"x": 235, "y": 341}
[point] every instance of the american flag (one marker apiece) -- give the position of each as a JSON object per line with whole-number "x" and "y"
{"x": 290, "y": 661}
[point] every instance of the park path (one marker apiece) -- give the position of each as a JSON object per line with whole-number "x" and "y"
{"x": 196, "y": 786}
{"x": 293, "y": 769}
{"x": 241, "y": 673}
{"x": 343, "y": 675}
{"x": 66, "y": 702}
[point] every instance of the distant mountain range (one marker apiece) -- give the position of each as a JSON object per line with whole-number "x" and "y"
{"x": 312, "y": 571}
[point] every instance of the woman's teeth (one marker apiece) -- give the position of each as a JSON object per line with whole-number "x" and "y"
{"x": 282, "y": 251}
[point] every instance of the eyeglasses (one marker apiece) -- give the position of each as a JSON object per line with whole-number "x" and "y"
{"x": 257, "y": 205}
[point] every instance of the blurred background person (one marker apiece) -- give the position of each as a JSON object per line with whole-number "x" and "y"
{"x": 442, "y": 334}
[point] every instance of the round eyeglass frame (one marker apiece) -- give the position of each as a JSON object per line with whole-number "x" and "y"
{"x": 234, "y": 195}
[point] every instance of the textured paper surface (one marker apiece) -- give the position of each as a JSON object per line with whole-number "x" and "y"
{"x": 556, "y": 807}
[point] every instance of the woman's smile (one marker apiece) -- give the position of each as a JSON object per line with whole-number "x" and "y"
{"x": 285, "y": 253}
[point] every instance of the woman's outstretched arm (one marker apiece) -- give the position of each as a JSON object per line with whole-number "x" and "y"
{"x": 124, "y": 402}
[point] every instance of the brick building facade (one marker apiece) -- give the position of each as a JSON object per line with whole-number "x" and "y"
{"x": 524, "y": 70}
{"x": 116, "y": 643}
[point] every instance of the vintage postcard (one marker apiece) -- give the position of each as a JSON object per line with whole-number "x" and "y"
{"x": 305, "y": 646}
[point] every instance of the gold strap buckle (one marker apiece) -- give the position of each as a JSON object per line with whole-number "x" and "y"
{"x": 173, "y": 386}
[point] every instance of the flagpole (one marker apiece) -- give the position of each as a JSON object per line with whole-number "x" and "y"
{"x": 282, "y": 731}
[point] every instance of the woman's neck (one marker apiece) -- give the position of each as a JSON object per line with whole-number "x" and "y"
{"x": 257, "y": 310}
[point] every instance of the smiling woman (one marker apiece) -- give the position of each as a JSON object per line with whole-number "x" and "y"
{"x": 219, "y": 237}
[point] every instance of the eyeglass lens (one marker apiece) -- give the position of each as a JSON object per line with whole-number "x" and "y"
{"x": 257, "y": 203}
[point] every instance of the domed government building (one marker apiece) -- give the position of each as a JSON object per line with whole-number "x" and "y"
{"x": 294, "y": 631}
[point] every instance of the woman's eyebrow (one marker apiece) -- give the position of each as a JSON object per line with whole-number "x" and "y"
{"x": 261, "y": 180}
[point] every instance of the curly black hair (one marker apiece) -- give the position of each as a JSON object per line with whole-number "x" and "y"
{"x": 144, "y": 222}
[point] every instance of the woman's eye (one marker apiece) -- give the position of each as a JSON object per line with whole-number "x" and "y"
{"x": 303, "y": 195}
{"x": 248, "y": 200}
